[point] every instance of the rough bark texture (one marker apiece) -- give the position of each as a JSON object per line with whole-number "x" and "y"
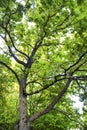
{"x": 23, "y": 124}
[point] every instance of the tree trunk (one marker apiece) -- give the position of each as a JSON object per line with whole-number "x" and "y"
{"x": 23, "y": 124}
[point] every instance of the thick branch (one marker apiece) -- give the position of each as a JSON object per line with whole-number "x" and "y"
{"x": 46, "y": 86}
{"x": 6, "y": 30}
{"x": 8, "y": 67}
{"x": 12, "y": 54}
{"x": 52, "y": 104}
{"x": 14, "y": 45}
{"x": 34, "y": 50}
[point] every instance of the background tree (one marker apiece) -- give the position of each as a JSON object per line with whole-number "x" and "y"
{"x": 45, "y": 43}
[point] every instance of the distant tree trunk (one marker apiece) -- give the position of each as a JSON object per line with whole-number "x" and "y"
{"x": 23, "y": 124}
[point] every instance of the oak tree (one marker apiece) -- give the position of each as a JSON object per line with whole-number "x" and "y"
{"x": 44, "y": 46}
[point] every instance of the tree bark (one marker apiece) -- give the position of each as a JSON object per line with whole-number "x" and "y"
{"x": 23, "y": 124}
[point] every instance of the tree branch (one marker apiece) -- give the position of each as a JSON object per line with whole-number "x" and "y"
{"x": 13, "y": 43}
{"x": 34, "y": 50}
{"x": 64, "y": 76}
{"x": 52, "y": 104}
{"x": 80, "y": 58}
{"x": 84, "y": 77}
{"x": 12, "y": 54}
{"x": 8, "y": 67}
{"x": 46, "y": 86}
{"x": 34, "y": 81}
{"x": 68, "y": 116}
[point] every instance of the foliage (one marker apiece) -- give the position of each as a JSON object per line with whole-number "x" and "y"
{"x": 43, "y": 43}
{"x": 8, "y": 100}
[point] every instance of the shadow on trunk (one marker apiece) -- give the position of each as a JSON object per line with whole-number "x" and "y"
{"x": 16, "y": 125}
